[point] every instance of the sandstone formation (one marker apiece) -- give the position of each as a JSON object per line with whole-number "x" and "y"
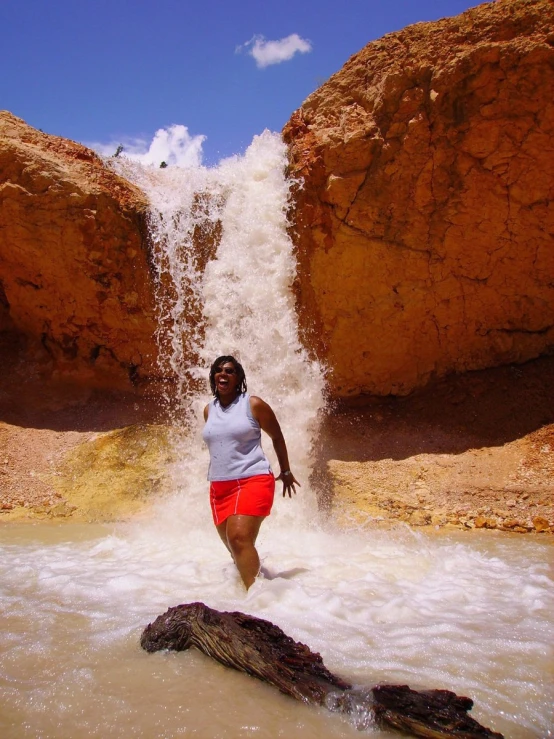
{"x": 75, "y": 279}
{"x": 114, "y": 475}
{"x": 106, "y": 477}
{"x": 424, "y": 224}
{"x": 470, "y": 451}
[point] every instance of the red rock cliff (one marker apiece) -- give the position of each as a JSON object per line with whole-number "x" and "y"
{"x": 424, "y": 227}
{"x": 74, "y": 272}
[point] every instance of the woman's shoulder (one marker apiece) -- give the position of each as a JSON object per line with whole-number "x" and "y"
{"x": 259, "y": 407}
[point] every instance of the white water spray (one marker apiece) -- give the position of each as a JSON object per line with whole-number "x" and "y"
{"x": 236, "y": 300}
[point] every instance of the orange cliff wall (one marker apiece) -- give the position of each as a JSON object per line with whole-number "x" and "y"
{"x": 424, "y": 226}
{"x": 75, "y": 278}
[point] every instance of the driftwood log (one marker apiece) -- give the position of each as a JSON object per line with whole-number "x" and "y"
{"x": 261, "y": 649}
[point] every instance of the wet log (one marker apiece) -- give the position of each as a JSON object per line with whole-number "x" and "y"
{"x": 248, "y": 644}
{"x": 263, "y": 650}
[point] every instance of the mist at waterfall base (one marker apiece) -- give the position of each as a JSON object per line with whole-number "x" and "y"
{"x": 471, "y": 613}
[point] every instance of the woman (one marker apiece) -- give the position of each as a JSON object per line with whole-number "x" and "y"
{"x": 242, "y": 484}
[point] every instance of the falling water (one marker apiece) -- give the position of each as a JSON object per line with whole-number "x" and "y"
{"x": 471, "y": 613}
{"x": 239, "y": 301}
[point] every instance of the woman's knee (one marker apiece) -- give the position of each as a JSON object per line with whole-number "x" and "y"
{"x": 239, "y": 540}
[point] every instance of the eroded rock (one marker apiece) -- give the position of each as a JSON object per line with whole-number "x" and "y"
{"x": 114, "y": 475}
{"x": 424, "y": 222}
{"x": 75, "y": 278}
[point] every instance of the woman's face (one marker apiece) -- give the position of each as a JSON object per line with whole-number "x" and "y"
{"x": 226, "y": 379}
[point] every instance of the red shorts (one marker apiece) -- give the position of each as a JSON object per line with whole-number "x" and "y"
{"x": 251, "y": 496}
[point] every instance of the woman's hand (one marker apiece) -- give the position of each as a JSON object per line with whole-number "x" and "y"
{"x": 289, "y": 481}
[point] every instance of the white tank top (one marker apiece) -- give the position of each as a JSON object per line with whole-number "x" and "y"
{"x": 234, "y": 440}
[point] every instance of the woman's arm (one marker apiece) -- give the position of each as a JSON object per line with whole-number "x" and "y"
{"x": 265, "y": 416}
{"x": 206, "y": 411}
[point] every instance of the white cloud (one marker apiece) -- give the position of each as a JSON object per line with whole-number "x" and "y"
{"x": 172, "y": 145}
{"x": 274, "y": 52}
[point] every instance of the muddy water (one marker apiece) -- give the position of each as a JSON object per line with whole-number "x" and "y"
{"x": 468, "y": 612}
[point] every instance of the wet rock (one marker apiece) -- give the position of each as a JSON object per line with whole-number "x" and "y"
{"x": 420, "y": 518}
{"x": 482, "y": 522}
{"x": 439, "y": 518}
{"x": 514, "y": 524}
{"x": 541, "y": 524}
{"x": 61, "y": 510}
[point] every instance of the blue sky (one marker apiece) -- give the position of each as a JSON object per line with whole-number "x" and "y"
{"x": 109, "y": 72}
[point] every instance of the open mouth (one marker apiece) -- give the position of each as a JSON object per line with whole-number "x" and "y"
{"x": 225, "y": 377}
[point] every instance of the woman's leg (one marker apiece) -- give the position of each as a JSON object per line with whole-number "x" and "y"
{"x": 222, "y": 531}
{"x": 239, "y": 534}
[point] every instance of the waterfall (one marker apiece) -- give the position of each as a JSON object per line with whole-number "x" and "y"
{"x": 237, "y": 299}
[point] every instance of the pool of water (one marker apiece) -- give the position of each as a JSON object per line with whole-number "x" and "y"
{"x": 467, "y": 612}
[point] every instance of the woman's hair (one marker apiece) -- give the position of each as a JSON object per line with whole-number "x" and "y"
{"x": 241, "y": 377}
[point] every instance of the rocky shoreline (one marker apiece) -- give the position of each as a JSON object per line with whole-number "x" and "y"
{"x": 473, "y": 451}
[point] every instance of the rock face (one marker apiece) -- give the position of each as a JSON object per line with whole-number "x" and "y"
{"x": 113, "y": 476}
{"x": 74, "y": 271}
{"x": 424, "y": 226}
